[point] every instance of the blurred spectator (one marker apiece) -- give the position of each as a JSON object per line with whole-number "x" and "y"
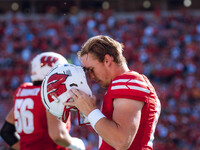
{"x": 165, "y": 48}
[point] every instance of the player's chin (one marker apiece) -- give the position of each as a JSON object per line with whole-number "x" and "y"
{"x": 103, "y": 85}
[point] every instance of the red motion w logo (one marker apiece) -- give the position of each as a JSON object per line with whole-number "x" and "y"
{"x": 56, "y": 86}
{"x": 48, "y": 60}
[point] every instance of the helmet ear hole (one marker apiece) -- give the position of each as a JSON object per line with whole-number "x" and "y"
{"x": 73, "y": 84}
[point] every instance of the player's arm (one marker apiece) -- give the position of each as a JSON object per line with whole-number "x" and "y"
{"x": 60, "y": 135}
{"x": 57, "y": 131}
{"x": 8, "y": 131}
{"x": 121, "y": 131}
{"x": 118, "y": 132}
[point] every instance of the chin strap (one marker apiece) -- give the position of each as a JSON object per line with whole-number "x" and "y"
{"x": 65, "y": 114}
{"x": 82, "y": 119}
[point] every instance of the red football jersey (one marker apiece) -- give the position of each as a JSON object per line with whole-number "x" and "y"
{"x": 133, "y": 85}
{"x": 31, "y": 121}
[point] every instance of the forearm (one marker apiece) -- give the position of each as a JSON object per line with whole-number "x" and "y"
{"x": 63, "y": 141}
{"x": 61, "y": 138}
{"x": 113, "y": 134}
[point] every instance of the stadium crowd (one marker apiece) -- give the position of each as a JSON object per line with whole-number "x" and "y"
{"x": 166, "y": 48}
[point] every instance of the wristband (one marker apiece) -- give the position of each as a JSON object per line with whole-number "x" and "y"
{"x": 94, "y": 116}
{"x": 76, "y": 144}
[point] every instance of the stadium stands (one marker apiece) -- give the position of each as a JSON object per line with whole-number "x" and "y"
{"x": 165, "y": 47}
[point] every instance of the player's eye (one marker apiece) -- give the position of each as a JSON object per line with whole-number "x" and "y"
{"x": 88, "y": 70}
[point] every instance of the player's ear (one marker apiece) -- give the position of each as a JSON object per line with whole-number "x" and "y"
{"x": 108, "y": 59}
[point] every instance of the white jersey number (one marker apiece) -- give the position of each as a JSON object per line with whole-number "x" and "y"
{"x": 24, "y": 117}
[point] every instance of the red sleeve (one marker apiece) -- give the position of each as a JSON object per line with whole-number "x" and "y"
{"x": 131, "y": 87}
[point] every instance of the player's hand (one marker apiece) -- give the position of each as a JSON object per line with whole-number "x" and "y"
{"x": 82, "y": 101}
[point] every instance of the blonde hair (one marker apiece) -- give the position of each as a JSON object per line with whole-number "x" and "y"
{"x": 101, "y": 45}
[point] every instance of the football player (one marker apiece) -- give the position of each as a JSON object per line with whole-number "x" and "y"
{"x": 130, "y": 109}
{"x": 28, "y": 126}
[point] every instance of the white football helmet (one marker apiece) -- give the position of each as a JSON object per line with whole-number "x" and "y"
{"x": 43, "y": 63}
{"x": 55, "y": 90}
